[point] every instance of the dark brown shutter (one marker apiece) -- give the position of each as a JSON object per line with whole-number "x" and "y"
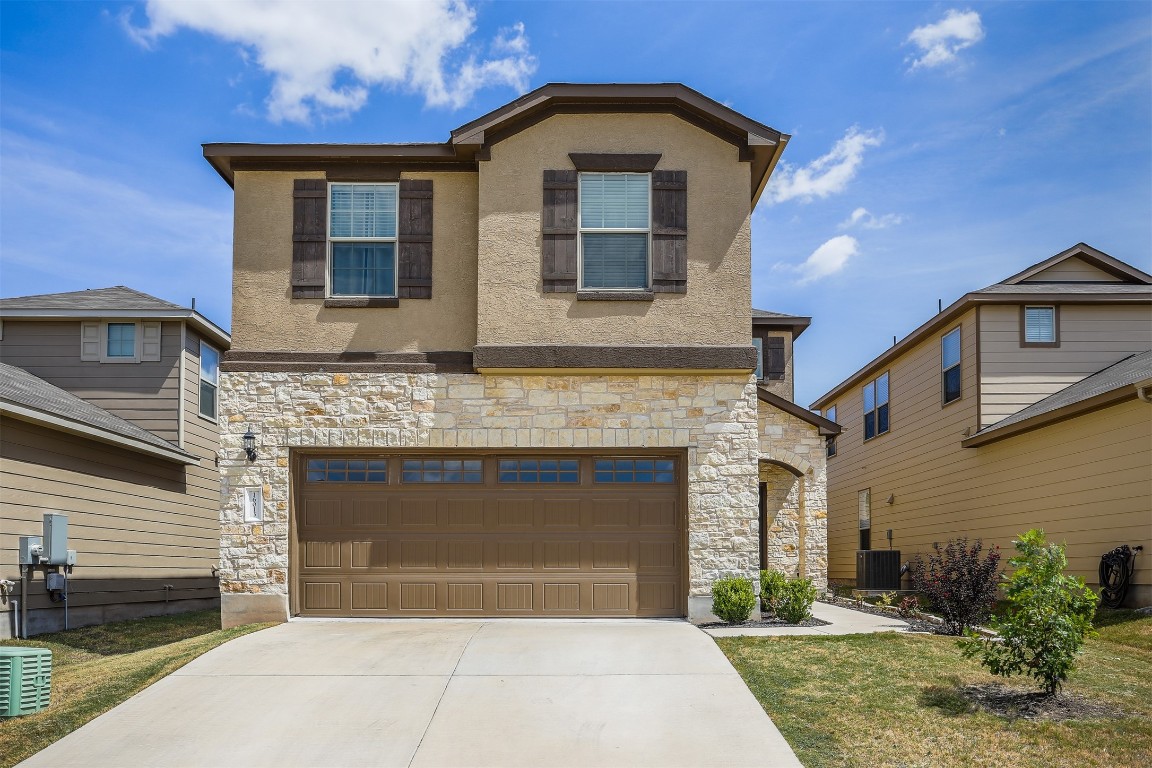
{"x": 558, "y": 250}
{"x": 414, "y": 278}
{"x": 670, "y": 231}
{"x": 309, "y": 237}
{"x": 774, "y": 358}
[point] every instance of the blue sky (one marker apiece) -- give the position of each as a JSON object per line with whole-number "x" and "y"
{"x": 937, "y": 147}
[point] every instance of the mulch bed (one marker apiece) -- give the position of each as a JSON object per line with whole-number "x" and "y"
{"x": 1030, "y": 704}
{"x": 767, "y": 623}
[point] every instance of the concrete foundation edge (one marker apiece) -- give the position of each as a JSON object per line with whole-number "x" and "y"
{"x": 237, "y": 610}
{"x": 41, "y": 620}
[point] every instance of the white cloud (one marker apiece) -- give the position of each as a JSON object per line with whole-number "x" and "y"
{"x": 940, "y": 42}
{"x": 828, "y": 259}
{"x": 863, "y": 218}
{"x": 826, "y": 175}
{"x": 308, "y": 47}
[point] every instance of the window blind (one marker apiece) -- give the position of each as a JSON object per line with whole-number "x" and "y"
{"x": 618, "y": 260}
{"x": 614, "y": 200}
{"x": 1040, "y": 324}
{"x": 363, "y": 210}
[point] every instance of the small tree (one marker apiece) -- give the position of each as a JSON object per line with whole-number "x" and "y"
{"x": 959, "y": 582}
{"x": 1049, "y": 617}
{"x": 733, "y": 599}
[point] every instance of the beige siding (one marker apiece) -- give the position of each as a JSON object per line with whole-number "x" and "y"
{"x": 1092, "y": 337}
{"x": 717, "y": 306}
{"x": 265, "y": 317}
{"x": 136, "y": 523}
{"x": 922, "y": 444}
{"x": 201, "y": 435}
{"x": 1073, "y": 271}
{"x": 1086, "y": 481}
{"x": 143, "y": 393}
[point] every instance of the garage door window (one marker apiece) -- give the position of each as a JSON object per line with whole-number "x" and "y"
{"x": 634, "y": 471}
{"x": 539, "y": 471}
{"x": 442, "y": 471}
{"x": 347, "y": 471}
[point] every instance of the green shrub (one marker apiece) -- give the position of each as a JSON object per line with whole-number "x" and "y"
{"x": 796, "y": 601}
{"x": 771, "y": 588}
{"x": 909, "y": 608}
{"x": 733, "y": 599}
{"x": 1049, "y": 615}
{"x": 886, "y": 599}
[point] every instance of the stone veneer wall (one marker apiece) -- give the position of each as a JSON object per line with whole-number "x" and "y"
{"x": 713, "y": 417}
{"x": 797, "y": 505}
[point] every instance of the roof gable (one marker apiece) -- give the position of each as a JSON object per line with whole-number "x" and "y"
{"x": 1078, "y": 264}
{"x": 118, "y": 297}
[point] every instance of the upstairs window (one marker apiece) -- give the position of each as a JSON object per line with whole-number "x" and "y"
{"x": 950, "y": 366}
{"x": 830, "y": 441}
{"x": 362, "y": 239}
{"x": 209, "y": 380}
{"x": 1039, "y": 327}
{"x": 121, "y": 340}
{"x": 615, "y": 218}
{"x": 876, "y": 407}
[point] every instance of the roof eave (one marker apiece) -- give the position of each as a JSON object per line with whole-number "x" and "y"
{"x": 797, "y": 324}
{"x": 1103, "y": 400}
{"x": 959, "y": 307}
{"x": 825, "y": 427}
{"x": 191, "y": 316}
{"x": 61, "y": 424}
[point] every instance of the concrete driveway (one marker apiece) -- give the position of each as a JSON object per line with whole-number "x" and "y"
{"x": 442, "y": 693}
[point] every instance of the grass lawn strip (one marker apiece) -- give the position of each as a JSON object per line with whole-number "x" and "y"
{"x": 96, "y": 668}
{"x": 899, "y": 700}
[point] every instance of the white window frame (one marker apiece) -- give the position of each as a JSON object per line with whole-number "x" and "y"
{"x": 944, "y": 371}
{"x": 216, "y": 384}
{"x": 137, "y": 342}
{"x": 330, "y": 240}
{"x": 581, "y": 230}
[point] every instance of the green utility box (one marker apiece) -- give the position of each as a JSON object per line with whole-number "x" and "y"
{"x": 25, "y": 680}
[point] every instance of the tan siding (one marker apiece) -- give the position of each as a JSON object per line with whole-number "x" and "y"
{"x": 1086, "y": 481}
{"x": 921, "y": 439}
{"x": 1073, "y": 270}
{"x": 201, "y": 435}
{"x": 143, "y": 393}
{"x": 1091, "y": 338}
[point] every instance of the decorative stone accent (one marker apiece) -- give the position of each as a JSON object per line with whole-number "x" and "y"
{"x": 793, "y": 469}
{"x": 714, "y": 418}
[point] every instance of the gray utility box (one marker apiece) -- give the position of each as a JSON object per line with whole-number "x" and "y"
{"x": 25, "y": 680}
{"x": 56, "y": 538}
{"x": 878, "y": 569}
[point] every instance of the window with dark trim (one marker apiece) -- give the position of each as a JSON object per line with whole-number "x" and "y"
{"x": 865, "y": 518}
{"x": 209, "y": 380}
{"x": 615, "y": 221}
{"x": 830, "y": 441}
{"x": 362, "y": 239}
{"x": 950, "y": 384}
{"x": 539, "y": 470}
{"x": 1040, "y": 326}
{"x": 876, "y": 407}
{"x": 635, "y": 471}
{"x": 347, "y": 471}
{"x": 442, "y": 471}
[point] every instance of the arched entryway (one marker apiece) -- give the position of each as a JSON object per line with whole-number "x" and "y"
{"x": 783, "y": 526}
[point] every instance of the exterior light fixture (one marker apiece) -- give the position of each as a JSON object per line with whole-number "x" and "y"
{"x": 250, "y": 444}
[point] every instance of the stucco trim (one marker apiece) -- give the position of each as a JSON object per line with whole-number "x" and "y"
{"x": 348, "y": 362}
{"x": 615, "y": 296}
{"x": 614, "y": 163}
{"x": 739, "y": 358}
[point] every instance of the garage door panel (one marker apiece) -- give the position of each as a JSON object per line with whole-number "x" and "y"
{"x": 491, "y": 548}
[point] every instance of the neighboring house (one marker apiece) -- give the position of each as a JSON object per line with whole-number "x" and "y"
{"x": 511, "y": 374}
{"x": 108, "y": 408}
{"x": 1022, "y": 405}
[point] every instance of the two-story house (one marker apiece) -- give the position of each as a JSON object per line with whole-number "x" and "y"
{"x": 1022, "y": 405}
{"x": 511, "y": 374}
{"x": 108, "y": 415}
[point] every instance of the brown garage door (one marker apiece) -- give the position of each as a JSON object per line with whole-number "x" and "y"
{"x": 488, "y": 535}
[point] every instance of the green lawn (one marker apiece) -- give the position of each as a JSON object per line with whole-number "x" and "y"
{"x": 96, "y": 668}
{"x": 895, "y": 700}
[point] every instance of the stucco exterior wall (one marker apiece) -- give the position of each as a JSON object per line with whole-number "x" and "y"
{"x": 717, "y": 305}
{"x": 265, "y": 318}
{"x": 713, "y": 417}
